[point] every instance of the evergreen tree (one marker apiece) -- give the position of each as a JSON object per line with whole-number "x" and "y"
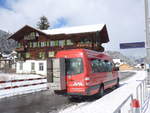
{"x": 43, "y": 24}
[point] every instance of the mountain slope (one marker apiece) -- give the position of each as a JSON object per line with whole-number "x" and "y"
{"x": 118, "y": 55}
{"x": 6, "y": 45}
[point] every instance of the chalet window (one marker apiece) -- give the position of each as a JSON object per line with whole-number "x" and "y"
{"x": 35, "y": 44}
{"x": 19, "y": 55}
{"x": 30, "y": 44}
{"x": 61, "y": 43}
{"x": 27, "y": 55}
{"x": 21, "y": 66}
{"x": 42, "y": 44}
{"x": 51, "y": 54}
{"x": 56, "y": 43}
{"x": 85, "y": 41}
{"x": 47, "y": 43}
{"x": 42, "y": 55}
{"x": 52, "y": 43}
{"x": 19, "y": 45}
{"x": 38, "y": 44}
{"x": 31, "y": 36}
{"x": 69, "y": 42}
{"x": 32, "y": 66}
{"x": 41, "y": 66}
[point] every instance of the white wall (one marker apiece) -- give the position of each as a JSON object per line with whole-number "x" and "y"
{"x": 27, "y": 67}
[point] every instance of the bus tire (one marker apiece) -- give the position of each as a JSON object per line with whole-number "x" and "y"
{"x": 117, "y": 84}
{"x": 100, "y": 92}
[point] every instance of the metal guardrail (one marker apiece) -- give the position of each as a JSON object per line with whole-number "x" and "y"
{"x": 22, "y": 86}
{"x": 142, "y": 94}
{"x": 118, "y": 110}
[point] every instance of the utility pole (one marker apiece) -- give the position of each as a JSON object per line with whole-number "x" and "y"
{"x": 147, "y": 26}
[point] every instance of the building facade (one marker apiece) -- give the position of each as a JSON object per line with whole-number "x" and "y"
{"x": 36, "y": 46}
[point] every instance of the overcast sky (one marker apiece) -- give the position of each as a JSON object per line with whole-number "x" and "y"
{"x": 124, "y": 18}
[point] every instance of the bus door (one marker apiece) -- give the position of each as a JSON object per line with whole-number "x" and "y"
{"x": 56, "y": 74}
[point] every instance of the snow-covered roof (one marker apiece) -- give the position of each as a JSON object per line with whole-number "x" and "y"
{"x": 73, "y": 30}
{"x": 6, "y": 55}
{"x": 116, "y": 60}
{"x": 13, "y": 52}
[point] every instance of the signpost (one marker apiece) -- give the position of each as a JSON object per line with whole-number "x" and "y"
{"x": 132, "y": 45}
{"x": 142, "y": 44}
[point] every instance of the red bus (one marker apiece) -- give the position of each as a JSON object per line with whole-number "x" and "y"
{"x": 88, "y": 72}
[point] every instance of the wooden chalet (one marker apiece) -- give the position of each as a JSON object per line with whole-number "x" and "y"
{"x": 37, "y": 44}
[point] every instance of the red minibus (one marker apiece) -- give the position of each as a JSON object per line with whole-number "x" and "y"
{"x": 88, "y": 72}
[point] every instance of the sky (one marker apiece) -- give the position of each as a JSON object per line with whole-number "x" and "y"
{"x": 124, "y": 18}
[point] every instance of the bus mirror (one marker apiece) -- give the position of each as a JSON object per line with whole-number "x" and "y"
{"x": 116, "y": 69}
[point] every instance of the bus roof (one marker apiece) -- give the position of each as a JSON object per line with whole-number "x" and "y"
{"x": 95, "y": 54}
{"x": 89, "y": 53}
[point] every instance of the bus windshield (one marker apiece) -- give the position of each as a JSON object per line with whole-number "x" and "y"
{"x": 74, "y": 66}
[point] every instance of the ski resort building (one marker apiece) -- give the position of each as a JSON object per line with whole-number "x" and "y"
{"x": 36, "y": 46}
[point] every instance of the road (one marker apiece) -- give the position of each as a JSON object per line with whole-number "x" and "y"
{"x": 125, "y": 75}
{"x": 40, "y": 102}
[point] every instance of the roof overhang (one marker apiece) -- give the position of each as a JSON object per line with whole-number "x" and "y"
{"x": 104, "y": 34}
{"x": 99, "y": 29}
{"x": 24, "y": 31}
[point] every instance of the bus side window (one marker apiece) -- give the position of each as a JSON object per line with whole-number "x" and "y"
{"x": 105, "y": 66}
{"x": 98, "y": 66}
{"x": 108, "y": 66}
{"x": 95, "y": 65}
{"x": 101, "y": 66}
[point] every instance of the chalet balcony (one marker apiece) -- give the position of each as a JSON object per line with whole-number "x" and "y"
{"x": 21, "y": 59}
{"x": 85, "y": 45}
{"x": 20, "y": 49}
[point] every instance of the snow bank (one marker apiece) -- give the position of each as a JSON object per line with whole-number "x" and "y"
{"x": 110, "y": 102}
{"x": 16, "y": 84}
{"x": 9, "y": 76}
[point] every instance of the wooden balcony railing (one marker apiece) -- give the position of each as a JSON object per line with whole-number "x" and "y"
{"x": 84, "y": 45}
{"x": 20, "y": 49}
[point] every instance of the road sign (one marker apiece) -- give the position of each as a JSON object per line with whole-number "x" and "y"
{"x": 132, "y": 45}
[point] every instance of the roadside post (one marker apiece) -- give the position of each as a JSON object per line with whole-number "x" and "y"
{"x": 147, "y": 24}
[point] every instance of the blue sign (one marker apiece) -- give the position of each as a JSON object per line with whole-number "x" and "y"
{"x": 132, "y": 45}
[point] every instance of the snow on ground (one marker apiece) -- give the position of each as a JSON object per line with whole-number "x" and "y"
{"x": 110, "y": 102}
{"x": 106, "y": 104}
{"x": 9, "y": 76}
{"x": 148, "y": 110}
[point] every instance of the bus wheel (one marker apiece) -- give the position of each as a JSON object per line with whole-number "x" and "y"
{"x": 101, "y": 92}
{"x": 117, "y": 85}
